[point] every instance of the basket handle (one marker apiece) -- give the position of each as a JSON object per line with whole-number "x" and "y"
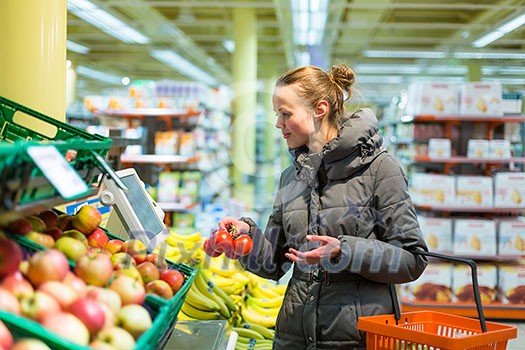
{"x": 475, "y": 285}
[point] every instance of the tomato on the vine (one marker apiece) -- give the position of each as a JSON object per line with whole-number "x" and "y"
{"x": 209, "y": 249}
{"x": 221, "y": 241}
{"x": 242, "y": 245}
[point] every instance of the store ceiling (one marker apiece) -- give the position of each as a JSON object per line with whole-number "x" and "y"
{"x": 355, "y": 31}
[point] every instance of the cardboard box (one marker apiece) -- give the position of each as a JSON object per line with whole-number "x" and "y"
{"x": 474, "y": 237}
{"x": 478, "y": 148}
{"x": 434, "y": 98}
{"x": 435, "y": 284}
{"x": 481, "y": 98}
{"x": 474, "y": 191}
{"x": 487, "y": 280}
{"x": 437, "y": 233}
{"x": 499, "y": 149}
{"x": 511, "y": 283}
{"x": 430, "y": 189}
{"x": 439, "y": 148}
{"x": 509, "y": 190}
{"x": 511, "y": 237}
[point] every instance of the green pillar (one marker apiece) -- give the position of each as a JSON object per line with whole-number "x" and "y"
{"x": 244, "y": 103}
{"x": 474, "y": 71}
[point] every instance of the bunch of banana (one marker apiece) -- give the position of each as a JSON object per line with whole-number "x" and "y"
{"x": 253, "y": 336}
{"x": 206, "y": 301}
{"x": 181, "y": 248}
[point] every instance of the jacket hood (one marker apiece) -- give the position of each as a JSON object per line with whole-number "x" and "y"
{"x": 358, "y": 142}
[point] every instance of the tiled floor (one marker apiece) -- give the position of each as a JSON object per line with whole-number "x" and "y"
{"x": 519, "y": 342}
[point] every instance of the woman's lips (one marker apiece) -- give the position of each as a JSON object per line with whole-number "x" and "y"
{"x": 286, "y": 136}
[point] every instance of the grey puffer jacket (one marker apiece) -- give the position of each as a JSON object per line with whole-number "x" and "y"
{"x": 354, "y": 190}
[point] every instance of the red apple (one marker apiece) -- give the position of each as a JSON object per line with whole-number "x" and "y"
{"x": 10, "y": 257}
{"x": 174, "y": 278}
{"x": 19, "y": 226}
{"x": 135, "y": 319}
{"x": 76, "y": 283}
{"x": 30, "y": 344}
{"x": 160, "y": 262}
{"x": 54, "y": 232}
{"x": 9, "y": 302}
{"x": 68, "y": 326}
{"x": 98, "y": 238}
{"x": 39, "y": 305}
{"x": 71, "y": 247}
{"x": 117, "y": 337}
{"x": 87, "y": 219}
{"x": 49, "y": 217}
{"x": 160, "y": 288}
{"x": 148, "y": 271}
{"x": 129, "y": 290}
{"x": 114, "y": 245}
{"x": 64, "y": 294}
{"x": 17, "y": 285}
{"x": 6, "y": 339}
{"x": 105, "y": 296}
{"x": 94, "y": 268}
{"x": 47, "y": 265}
{"x": 89, "y": 312}
{"x": 41, "y": 239}
{"x": 136, "y": 249}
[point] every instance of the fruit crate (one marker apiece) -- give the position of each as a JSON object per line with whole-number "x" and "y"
{"x": 21, "y": 182}
{"x": 163, "y": 312}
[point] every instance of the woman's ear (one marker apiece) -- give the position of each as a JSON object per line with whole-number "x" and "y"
{"x": 321, "y": 109}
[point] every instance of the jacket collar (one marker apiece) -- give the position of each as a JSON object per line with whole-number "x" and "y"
{"x": 356, "y": 145}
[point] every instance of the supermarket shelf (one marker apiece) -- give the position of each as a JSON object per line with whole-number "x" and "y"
{"x": 173, "y": 206}
{"x": 491, "y": 311}
{"x": 149, "y": 112}
{"x": 488, "y": 210}
{"x": 457, "y": 118}
{"x": 157, "y": 159}
{"x": 463, "y": 160}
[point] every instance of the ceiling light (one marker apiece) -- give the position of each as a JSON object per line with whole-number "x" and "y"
{"x": 488, "y": 55}
{"x": 309, "y": 21}
{"x": 302, "y": 58}
{"x": 403, "y": 54}
{"x": 98, "y": 75}
{"x": 182, "y": 65}
{"x": 75, "y": 47}
{"x": 500, "y": 31}
{"x": 229, "y": 45}
{"x": 106, "y": 22}
{"x": 125, "y": 81}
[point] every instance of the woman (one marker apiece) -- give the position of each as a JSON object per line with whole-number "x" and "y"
{"x": 342, "y": 214}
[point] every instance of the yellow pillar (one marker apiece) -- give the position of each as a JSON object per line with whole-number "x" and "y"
{"x": 244, "y": 102}
{"x": 474, "y": 71}
{"x": 33, "y": 54}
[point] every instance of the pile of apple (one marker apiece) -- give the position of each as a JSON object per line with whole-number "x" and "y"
{"x": 98, "y": 302}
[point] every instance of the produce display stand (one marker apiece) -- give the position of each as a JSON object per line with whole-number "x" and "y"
{"x": 430, "y": 330}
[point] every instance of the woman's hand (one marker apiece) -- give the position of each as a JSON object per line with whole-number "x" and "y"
{"x": 330, "y": 248}
{"x": 240, "y": 226}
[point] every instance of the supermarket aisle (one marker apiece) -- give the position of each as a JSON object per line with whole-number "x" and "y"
{"x": 519, "y": 342}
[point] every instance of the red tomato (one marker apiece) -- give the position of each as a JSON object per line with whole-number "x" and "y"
{"x": 209, "y": 250}
{"x": 242, "y": 245}
{"x": 231, "y": 254}
{"x": 222, "y": 241}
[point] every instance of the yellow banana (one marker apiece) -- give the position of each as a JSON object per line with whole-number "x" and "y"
{"x": 280, "y": 288}
{"x": 241, "y": 277}
{"x": 267, "y": 303}
{"x": 200, "y": 301}
{"x": 199, "y": 314}
{"x": 183, "y": 317}
{"x": 252, "y": 316}
{"x": 265, "y": 291}
{"x": 233, "y": 290}
{"x": 175, "y": 237}
{"x": 219, "y": 292}
{"x": 270, "y": 311}
{"x": 220, "y": 281}
{"x": 247, "y": 333}
{"x": 265, "y": 332}
{"x": 200, "y": 282}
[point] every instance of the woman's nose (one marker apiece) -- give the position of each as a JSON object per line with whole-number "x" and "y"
{"x": 279, "y": 123}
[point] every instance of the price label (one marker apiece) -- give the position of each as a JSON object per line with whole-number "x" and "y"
{"x": 58, "y": 171}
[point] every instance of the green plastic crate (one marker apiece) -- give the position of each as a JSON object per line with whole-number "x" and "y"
{"x": 22, "y": 181}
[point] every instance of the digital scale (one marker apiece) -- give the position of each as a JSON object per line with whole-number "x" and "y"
{"x": 135, "y": 214}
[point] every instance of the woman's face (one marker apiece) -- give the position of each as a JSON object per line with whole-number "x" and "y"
{"x": 294, "y": 119}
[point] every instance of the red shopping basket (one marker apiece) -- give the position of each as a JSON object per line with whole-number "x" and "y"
{"x": 429, "y": 330}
